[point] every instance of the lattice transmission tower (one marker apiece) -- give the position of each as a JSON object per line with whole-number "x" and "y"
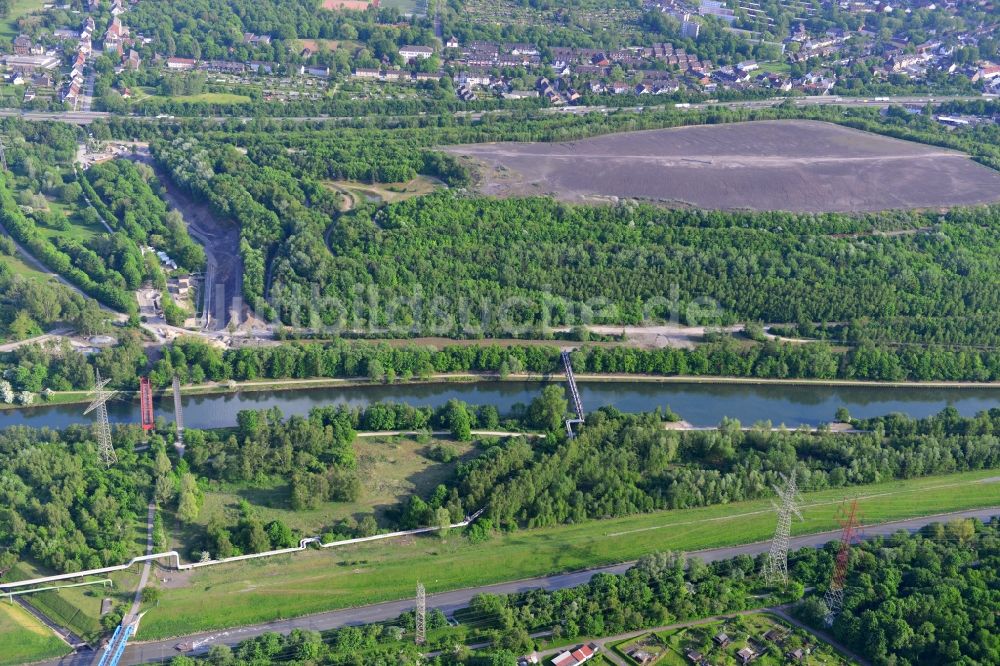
{"x": 848, "y": 518}
{"x": 776, "y": 563}
{"x": 421, "y": 622}
{"x": 105, "y": 449}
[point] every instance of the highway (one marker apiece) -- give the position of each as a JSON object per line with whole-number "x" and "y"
{"x": 87, "y": 117}
{"x": 449, "y": 602}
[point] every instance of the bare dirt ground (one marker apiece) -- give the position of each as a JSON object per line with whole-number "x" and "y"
{"x": 794, "y": 165}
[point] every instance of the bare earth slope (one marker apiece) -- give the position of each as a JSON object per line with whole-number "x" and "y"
{"x": 795, "y": 165}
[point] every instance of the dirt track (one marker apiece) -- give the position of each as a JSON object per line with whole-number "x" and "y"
{"x": 794, "y": 165}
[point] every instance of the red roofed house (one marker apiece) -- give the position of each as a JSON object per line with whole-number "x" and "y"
{"x": 578, "y": 656}
{"x": 114, "y": 38}
{"x": 986, "y": 72}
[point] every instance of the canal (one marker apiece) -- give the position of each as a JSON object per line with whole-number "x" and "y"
{"x": 700, "y": 404}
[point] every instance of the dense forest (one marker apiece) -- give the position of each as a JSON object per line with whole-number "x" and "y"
{"x": 722, "y": 355}
{"x": 929, "y": 598}
{"x": 622, "y": 464}
{"x": 61, "y": 508}
{"x": 521, "y": 262}
{"x": 129, "y": 196}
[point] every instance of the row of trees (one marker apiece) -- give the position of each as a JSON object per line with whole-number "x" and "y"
{"x": 194, "y": 361}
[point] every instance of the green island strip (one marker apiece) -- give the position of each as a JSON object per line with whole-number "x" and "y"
{"x": 315, "y": 581}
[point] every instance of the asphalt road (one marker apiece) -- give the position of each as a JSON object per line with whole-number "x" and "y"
{"x": 87, "y": 117}
{"x": 449, "y": 602}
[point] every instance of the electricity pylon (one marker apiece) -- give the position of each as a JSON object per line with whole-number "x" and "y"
{"x": 776, "y": 564}
{"x": 834, "y": 598}
{"x": 421, "y": 622}
{"x": 105, "y": 449}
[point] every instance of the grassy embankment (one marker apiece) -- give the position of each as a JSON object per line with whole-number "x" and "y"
{"x": 23, "y": 639}
{"x": 311, "y": 582}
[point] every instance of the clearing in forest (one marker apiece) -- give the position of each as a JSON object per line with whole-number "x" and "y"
{"x": 383, "y": 192}
{"x": 793, "y": 165}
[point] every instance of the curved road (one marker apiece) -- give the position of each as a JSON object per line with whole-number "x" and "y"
{"x": 449, "y": 602}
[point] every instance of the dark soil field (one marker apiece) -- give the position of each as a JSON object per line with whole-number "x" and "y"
{"x": 794, "y": 165}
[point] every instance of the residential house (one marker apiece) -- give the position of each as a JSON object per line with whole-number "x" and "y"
{"x": 256, "y": 40}
{"x": 366, "y": 73}
{"x": 181, "y": 64}
{"x": 746, "y": 655}
{"x": 116, "y": 36}
{"x": 132, "y": 61}
{"x": 23, "y": 45}
{"x": 721, "y": 639}
{"x": 412, "y": 52}
{"x": 986, "y": 72}
{"x": 223, "y": 67}
{"x": 580, "y": 655}
{"x": 321, "y": 72}
{"x": 452, "y": 43}
{"x": 690, "y": 29}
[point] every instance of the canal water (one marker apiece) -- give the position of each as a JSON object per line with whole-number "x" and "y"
{"x": 700, "y": 404}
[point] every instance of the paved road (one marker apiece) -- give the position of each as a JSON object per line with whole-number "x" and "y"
{"x": 87, "y": 117}
{"x": 449, "y": 602}
{"x": 144, "y": 578}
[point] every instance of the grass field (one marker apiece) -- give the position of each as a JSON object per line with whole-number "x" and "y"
{"x": 76, "y": 230}
{"x": 19, "y": 267}
{"x": 310, "y": 582}
{"x": 391, "y": 469}
{"x": 8, "y": 26}
{"x": 24, "y": 639}
{"x": 205, "y": 98}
